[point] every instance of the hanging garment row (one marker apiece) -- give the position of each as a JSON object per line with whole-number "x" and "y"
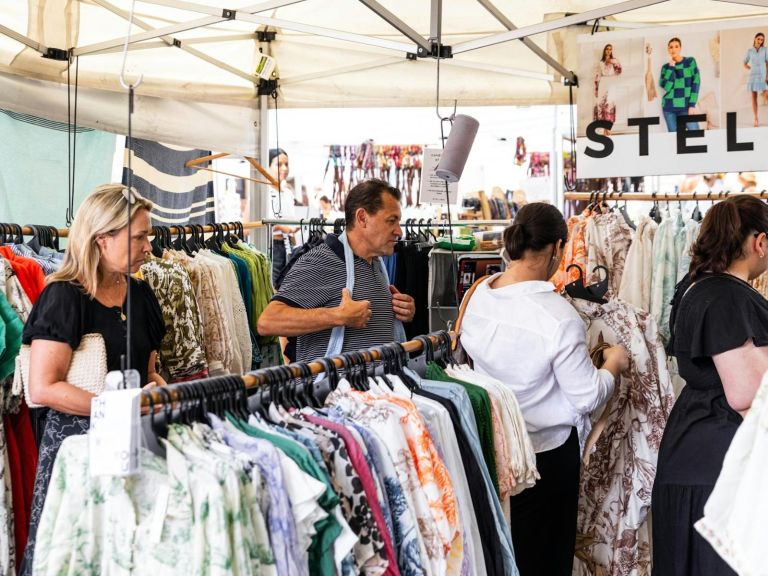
{"x": 373, "y": 470}
{"x": 210, "y": 296}
{"x": 211, "y": 293}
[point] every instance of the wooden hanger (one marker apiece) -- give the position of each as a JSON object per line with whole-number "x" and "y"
{"x": 270, "y": 179}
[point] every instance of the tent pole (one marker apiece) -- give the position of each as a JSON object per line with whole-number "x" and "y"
{"x": 398, "y": 24}
{"x": 171, "y": 41}
{"x": 36, "y": 46}
{"x": 436, "y": 21}
{"x": 540, "y": 52}
{"x": 217, "y": 15}
{"x": 494, "y": 39}
{"x": 763, "y": 3}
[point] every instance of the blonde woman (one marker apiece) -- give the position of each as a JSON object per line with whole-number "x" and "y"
{"x": 89, "y": 295}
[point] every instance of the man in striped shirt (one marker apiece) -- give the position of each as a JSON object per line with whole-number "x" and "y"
{"x": 313, "y": 298}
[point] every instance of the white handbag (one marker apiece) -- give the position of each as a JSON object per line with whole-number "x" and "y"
{"x": 87, "y": 369}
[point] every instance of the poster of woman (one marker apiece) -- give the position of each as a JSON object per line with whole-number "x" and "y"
{"x": 682, "y": 78}
{"x": 606, "y": 72}
{"x": 609, "y": 72}
{"x": 745, "y": 75}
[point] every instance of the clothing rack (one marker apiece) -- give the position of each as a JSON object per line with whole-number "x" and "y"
{"x": 64, "y": 232}
{"x": 660, "y": 196}
{"x": 152, "y": 397}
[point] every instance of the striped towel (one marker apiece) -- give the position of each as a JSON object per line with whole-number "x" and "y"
{"x": 181, "y": 195}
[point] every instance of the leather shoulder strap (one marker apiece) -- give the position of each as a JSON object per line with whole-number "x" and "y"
{"x": 463, "y": 307}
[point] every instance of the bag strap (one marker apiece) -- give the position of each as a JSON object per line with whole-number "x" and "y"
{"x": 463, "y": 308}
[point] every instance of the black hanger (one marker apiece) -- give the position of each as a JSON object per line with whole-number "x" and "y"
{"x": 287, "y": 388}
{"x": 16, "y": 229}
{"x": 655, "y": 212}
{"x": 233, "y": 239}
{"x": 331, "y": 372}
{"x": 431, "y": 231}
{"x": 55, "y": 236}
{"x": 347, "y": 364}
{"x": 157, "y": 242}
{"x": 212, "y": 242}
{"x": 594, "y": 292}
{"x": 308, "y": 386}
{"x": 624, "y": 213}
{"x": 361, "y": 369}
{"x": 338, "y": 226}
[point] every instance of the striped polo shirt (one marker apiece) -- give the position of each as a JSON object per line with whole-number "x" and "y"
{"x": 316, "y": 281}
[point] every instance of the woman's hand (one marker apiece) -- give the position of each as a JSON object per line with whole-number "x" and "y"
{"x": 616, "y": 359}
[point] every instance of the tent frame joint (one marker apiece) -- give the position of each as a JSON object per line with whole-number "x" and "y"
{"x": 436, "y": 50}
{"x": 266, "y": 87}
{"x": 228, "y": 14}
{"x": 265, "y": 35}
{"x": 59, "y": 54}
{"x": 571, "y": 80}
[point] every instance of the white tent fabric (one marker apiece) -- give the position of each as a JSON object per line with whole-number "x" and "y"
{"x": 187, "y": 98}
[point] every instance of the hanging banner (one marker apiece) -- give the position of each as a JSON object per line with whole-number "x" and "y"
{"x": 673, "y": 100}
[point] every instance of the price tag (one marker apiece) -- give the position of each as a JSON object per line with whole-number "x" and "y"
{"x": 115, "y": 432}
{"x": 432, "y": 190}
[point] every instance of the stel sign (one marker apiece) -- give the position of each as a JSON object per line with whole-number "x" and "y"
{"x": 673, "y": 100}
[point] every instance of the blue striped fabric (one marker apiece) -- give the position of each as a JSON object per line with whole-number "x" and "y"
{"x": 181, "y": 195}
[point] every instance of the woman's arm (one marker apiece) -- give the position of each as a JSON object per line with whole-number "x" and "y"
{"x": 585, "y": 387}
{"x": 153, "y": 378}
{"x": 741, "y": 370}
{"x": 48, "y": 366}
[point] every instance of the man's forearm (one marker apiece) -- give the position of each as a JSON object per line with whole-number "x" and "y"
{"x": 279, "y": 319}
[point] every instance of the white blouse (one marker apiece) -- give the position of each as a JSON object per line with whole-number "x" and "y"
{"x": 531, "y": 339}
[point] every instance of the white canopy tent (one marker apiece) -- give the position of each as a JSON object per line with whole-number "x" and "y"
{"x": 196, "y": 59}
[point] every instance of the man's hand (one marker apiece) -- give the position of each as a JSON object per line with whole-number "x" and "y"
{"x": 403, "y": 305}
{"x": 353, "y": 313}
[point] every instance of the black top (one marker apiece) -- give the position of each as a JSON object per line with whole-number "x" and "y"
{"x": 719, "y": 313}
{"x": 64, "y": 313}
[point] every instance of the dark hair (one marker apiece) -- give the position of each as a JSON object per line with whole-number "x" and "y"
{"x": 536, "y": 226}
{"x": 723, "y": 232}
{"x": 274, "y": 153}
{"x": 675, "y": 39}
{"x": 367, "y": 195}
{"x": 602, "y": 59}
{"x": 325, "y": 199}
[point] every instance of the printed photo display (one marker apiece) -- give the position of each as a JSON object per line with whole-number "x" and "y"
{"x": 670, "y": 98}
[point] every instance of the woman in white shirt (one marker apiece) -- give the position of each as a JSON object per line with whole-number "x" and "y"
{"x": 281, "y": 207}
{"x": 518, "y": 330}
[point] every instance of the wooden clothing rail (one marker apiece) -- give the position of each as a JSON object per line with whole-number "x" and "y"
{"x": 64, "y": 232}
{"x": 659, "y": 196}
{"x": 262, "y": 377}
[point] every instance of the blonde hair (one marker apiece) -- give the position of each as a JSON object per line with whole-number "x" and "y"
{"x": 102, "y": 212}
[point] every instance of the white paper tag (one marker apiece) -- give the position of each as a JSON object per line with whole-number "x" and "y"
{"x": 433, "y": 188}
{"x": 114, "y": 433}
{"x": 158, "y": 514}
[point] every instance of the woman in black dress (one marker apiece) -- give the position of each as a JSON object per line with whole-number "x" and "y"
{"x": 89, "y": 295}
{"x": 720, "y": 337}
